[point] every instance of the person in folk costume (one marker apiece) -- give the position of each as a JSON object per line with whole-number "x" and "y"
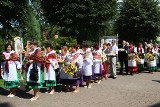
{"x": 87, "y": 66}
{"x": 105, "y": 60}
{"x": 155, "y": 51}
{"x": 122, "y": 55}
{"x": 140, "y": 51}
{"x": 147, "y": 48}
{"x": 9, "y": 66}
{"x": 97, "y": 63}
{"x": 49, "y": 71}
{"x": 64, "y": 59}
{"x": 77, "y": 59}
{"x": 79, "y": 62}
{"x": 113, "y": 60}
{"x": 150, "y": 68}
{"x": 133, "y": 50}
{"x": 79, "y": 48}
{"x": 34, "y": 59}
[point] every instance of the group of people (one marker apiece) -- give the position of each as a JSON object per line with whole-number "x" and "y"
{"x": 70, "y": 68}
{"x": 147, "y": 55}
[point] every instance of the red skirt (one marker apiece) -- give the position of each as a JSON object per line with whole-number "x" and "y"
{"x": 132, "y": 69}
{"x": 104, "y": 71}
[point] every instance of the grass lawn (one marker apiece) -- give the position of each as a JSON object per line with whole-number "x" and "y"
{"x": 1, "y": 82}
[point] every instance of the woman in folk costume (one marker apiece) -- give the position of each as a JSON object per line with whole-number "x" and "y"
{"x": 132, "y": 64}
{"x": 63, "y": 59}
{"x": 87, "y": 66}
{"x": 151, "y": 62}
{"x": 104, "y": 60}
{"x": 79, "y": 62}
{"x": 9, "y": 67}
{"x": 140, "y": 52}
{"x": 132, "y": 48}
{"x": 97, "y": 63}
{"x": 49, "y": 72}
{"x": 34, "y": 74}
{"x": 155, "y": 51}
{"x": 76, "y": 59}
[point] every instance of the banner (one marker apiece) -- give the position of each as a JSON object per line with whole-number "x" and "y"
{"x": 18, "y": 45}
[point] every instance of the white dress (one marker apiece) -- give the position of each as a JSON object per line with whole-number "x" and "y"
{"x": 12, "y": 75}
{"x": 155, "y": 51}
{"x": 79, "y": 61}
{"x": 50, "y": 74}
{"x": 97, "y": 63}
{"x": 87, "y": 64}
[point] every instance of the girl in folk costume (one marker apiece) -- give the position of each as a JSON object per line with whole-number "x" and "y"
{"x": 87, "y": 66}
{"x": 132, "y": 64}
{"x": 34, "y": 74}
{"x": 140, "y": 52}
{"x": 9, "y": 67}
{"x": 49, "y": 72}
{"x": 97, "y": 63}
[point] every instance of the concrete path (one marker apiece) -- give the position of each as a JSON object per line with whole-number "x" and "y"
{"x": 140, "y": 90}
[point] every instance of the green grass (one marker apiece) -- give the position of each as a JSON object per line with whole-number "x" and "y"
{"x": 1, "y": 82}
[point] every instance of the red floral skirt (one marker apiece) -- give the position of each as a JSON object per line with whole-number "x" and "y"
{"x": 133, "y": 69}
{"x": 104, "y": 71}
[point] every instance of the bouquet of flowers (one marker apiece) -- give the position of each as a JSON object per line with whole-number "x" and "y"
{"x": 151, "y": 59}
{"x": 70, "y": 69}
{"x": 150, "y": 56}
{"x": 141, "y": 55}
{"x": 133, "y": 56}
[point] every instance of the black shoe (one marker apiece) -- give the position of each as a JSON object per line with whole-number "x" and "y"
{"x": 120, "y": 73}
{"x": 114, "y": 77}
{"x": 132, "y": 73}
{"x": 110, "y": 77}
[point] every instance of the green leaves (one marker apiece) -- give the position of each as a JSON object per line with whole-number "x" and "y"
{"x": 80, "y": 17}
{"x": 139, "y": 20}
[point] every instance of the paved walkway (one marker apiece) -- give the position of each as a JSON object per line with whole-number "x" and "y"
{"x": 140, "y": 90}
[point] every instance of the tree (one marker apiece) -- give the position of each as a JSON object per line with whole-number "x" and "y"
{"x": 17, "y": 16}
{"x": 139, "y": 20}
{"x": 82, "y": 19}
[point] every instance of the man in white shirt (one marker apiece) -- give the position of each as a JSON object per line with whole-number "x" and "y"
{"x": 114, "y": 50}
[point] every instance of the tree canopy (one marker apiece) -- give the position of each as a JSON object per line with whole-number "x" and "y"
{"x": 139, "y": 20}
{"x": 82, "y": 19}
{"x": 18, "y": 16}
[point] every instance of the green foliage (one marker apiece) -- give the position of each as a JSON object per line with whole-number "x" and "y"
{"x": 20, "y": 16}
{"x": 139, "y": 20}
{"x": 83, "y": 19}
{"x": 89, "y": 43}
{"x": 61, "y": 41}
{"x": 1, "y": 83}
